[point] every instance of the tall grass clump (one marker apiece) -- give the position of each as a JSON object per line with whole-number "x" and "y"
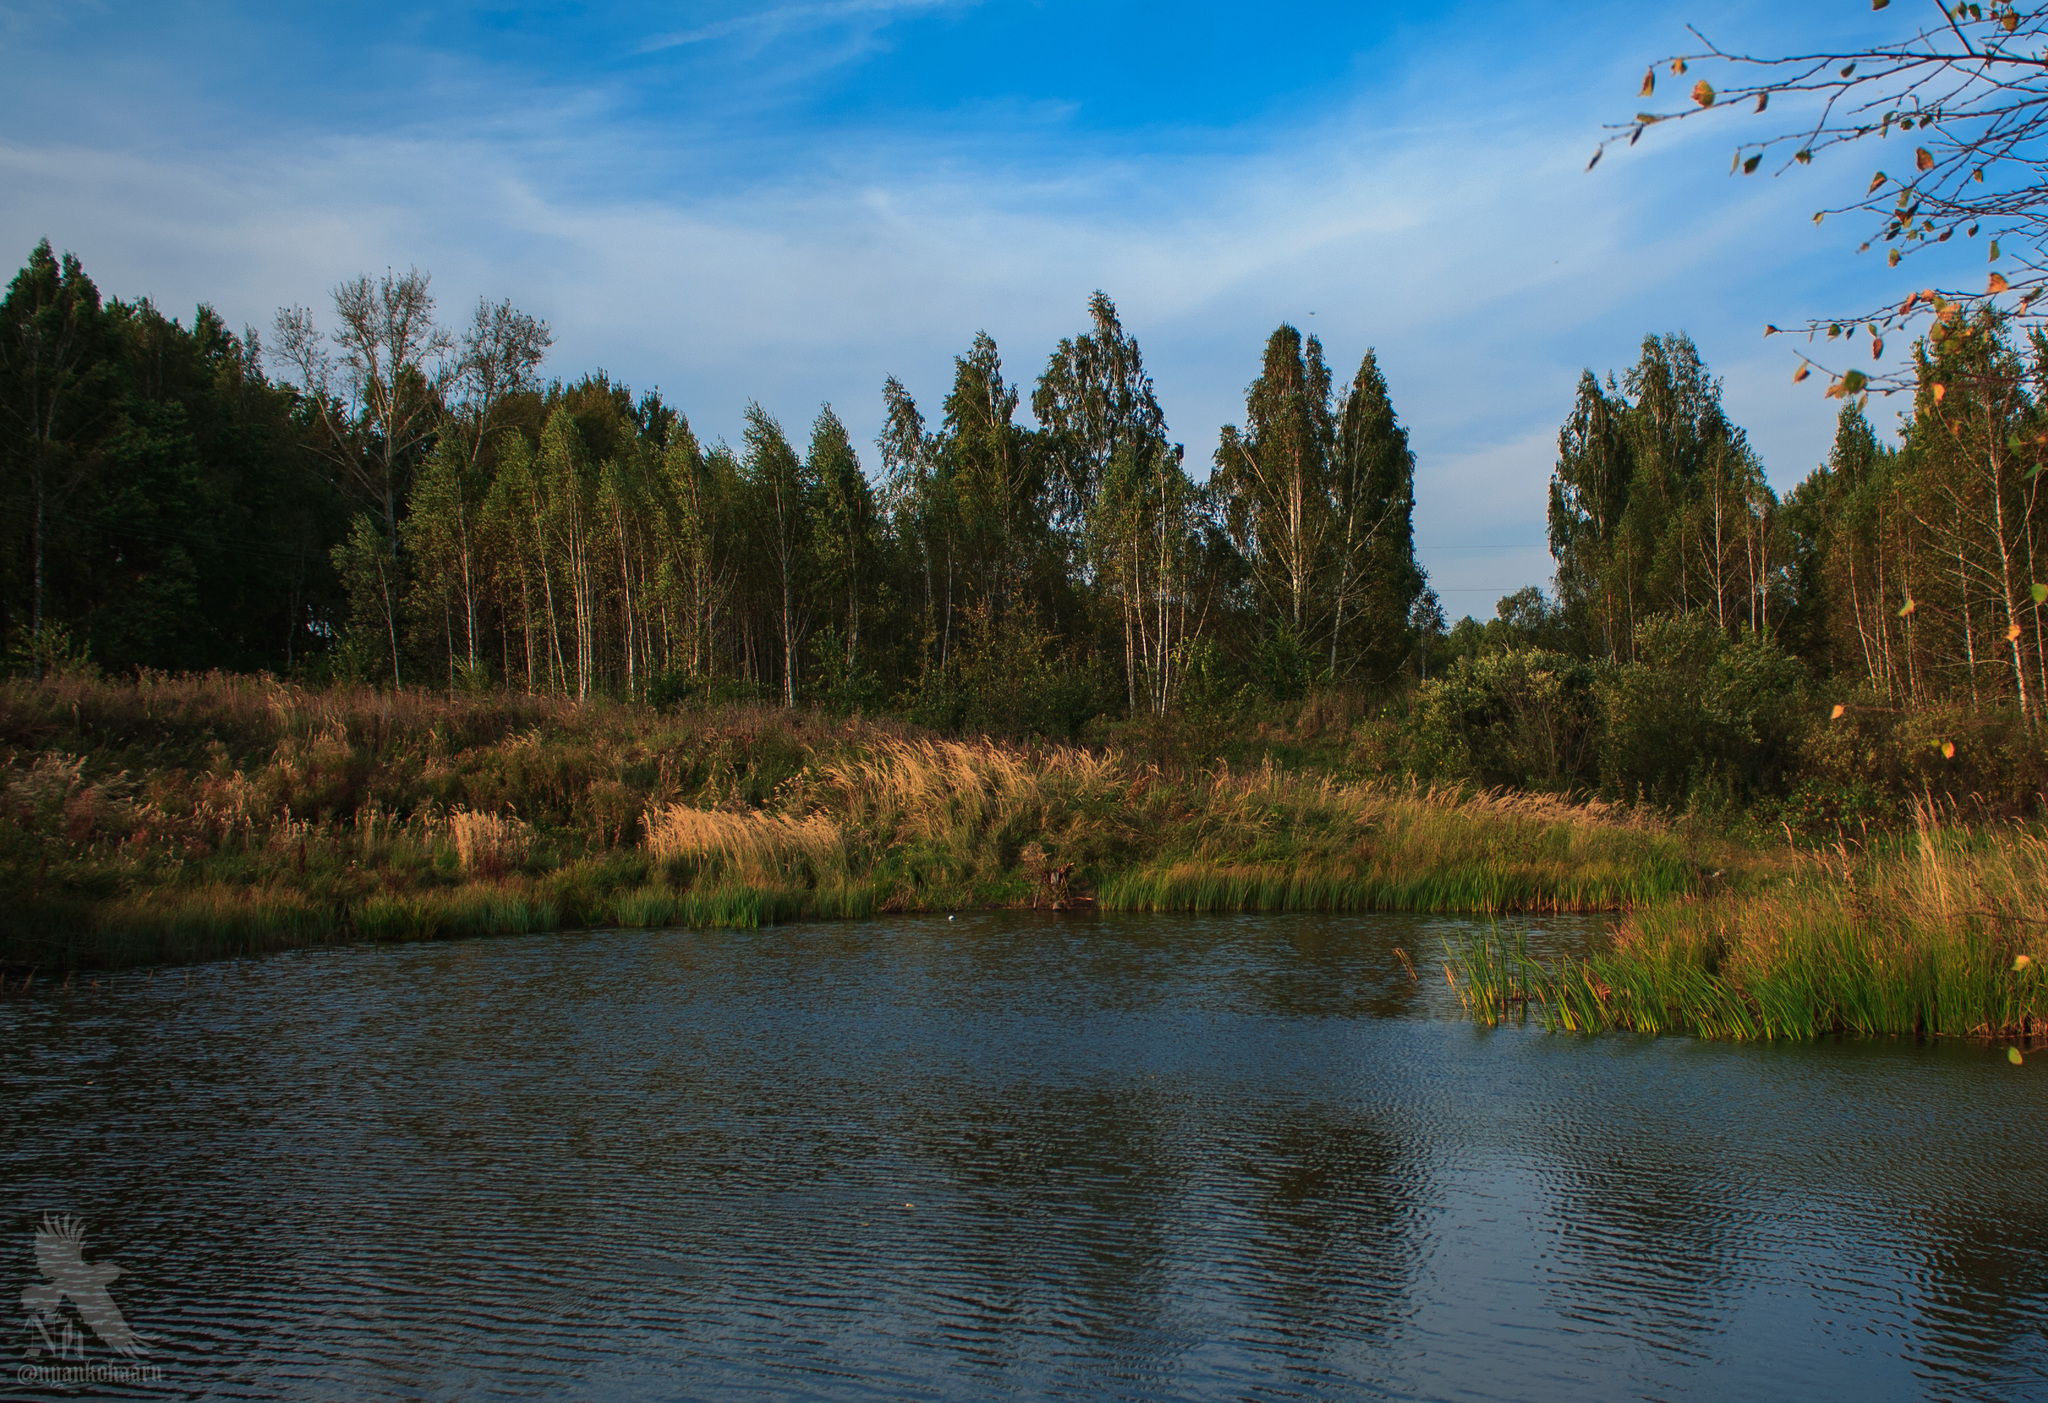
{"x": 489, "y": 845}
{"x": 743, "y": 869}
{"x": 756, "y": 845}
{"x": 1275, "y": 841}
{"x": 943, "y": 823}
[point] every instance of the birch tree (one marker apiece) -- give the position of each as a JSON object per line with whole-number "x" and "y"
{"x": 1273, "y": 477}
{"x": 374, "y": 384}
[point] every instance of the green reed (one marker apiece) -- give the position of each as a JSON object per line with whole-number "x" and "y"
{"x": 1940, "y": 937}
{"x": 1491, "y": 973}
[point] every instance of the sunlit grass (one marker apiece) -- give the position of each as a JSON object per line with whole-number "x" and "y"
{"x": 1939, "y": 935}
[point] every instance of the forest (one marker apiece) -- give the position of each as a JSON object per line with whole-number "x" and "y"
{"x": 365, "y": 495}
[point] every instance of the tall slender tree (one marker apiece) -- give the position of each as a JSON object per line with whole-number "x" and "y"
{"x": 1274, "y": 478}
{"x": 1659, "y": 506}
{"x": 786, "y": 497}
{"x": 1093, "y": 400}
{"x": 1372, "y": 536}
{"x": 379, "y": 402}
{"x": 847, "y": 547}
{"x": 998, "y": 480}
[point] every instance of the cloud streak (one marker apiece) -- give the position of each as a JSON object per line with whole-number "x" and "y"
{"x": 768, "y": 25}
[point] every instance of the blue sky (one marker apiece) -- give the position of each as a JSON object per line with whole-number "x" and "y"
{"x": 791, "y": 201}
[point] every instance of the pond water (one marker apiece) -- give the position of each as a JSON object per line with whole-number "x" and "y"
{"x": 1005, "y": 1156}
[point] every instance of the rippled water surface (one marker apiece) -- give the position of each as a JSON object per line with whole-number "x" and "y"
{"x": 1005, "y": 1157}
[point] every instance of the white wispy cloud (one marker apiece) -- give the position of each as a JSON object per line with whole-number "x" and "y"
{"x": 788, "y": 19}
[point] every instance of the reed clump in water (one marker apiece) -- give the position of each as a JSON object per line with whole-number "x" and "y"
{"x": 1492, "y": 975}
{"x": 1941, "y": 933}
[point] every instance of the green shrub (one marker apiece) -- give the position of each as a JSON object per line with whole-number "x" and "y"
{"x": 1524, "y": 717}
{"x": 1696, "y": 720}
{"x": 1982, "y": 758}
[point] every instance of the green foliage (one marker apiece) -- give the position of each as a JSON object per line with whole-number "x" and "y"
{"x": 1697, "y": 720}
{"x": 1936, "y": 937}
{"x": 156, "y": 501}
{"x": 197, "y": 816}
{"x": 1373, "y": 538}
{"x": 369, "y": 571}
{"x": 1521, "y": 717}
{"x": 1658, "y": 506}
{"x": 1009, "y": 677}
{"x": 1525, "y": 619}
{"x": 53, "y": 651}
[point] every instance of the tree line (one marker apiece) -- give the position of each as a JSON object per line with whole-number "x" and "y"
{"x": 369, "y": 492}
{"x": 1817, "y": 661}
{"x": 1906, "y": 569}
{"x": 375, "y": 495}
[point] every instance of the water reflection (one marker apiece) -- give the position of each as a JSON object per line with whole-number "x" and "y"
{"x": 1007, "y": 1157}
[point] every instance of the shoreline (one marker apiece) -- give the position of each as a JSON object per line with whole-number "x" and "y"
{"x": 175, "y": 819}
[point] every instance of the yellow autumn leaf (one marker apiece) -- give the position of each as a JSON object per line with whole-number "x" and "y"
{"x": 1875, "y": 181}
{"x": 2012, "y": 633}
{"x": 1998, "y": 284}
{"x": 1937, "y": 389}
{"x": 1837, "y": 713}
{"x": 2012, "y": 1055}
{"x": 1649, "y": 82}
{"x": 1906, "y": 609}
{"x": 1801, "y": 373}
{"x": 1948, "y": 750}
{"x": 1923, "y": 158}
{"x": 1703, "y": 93}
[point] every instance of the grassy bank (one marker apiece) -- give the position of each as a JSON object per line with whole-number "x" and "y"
{"x": 1938, "y": 932}
{"x": 193, "y": 817}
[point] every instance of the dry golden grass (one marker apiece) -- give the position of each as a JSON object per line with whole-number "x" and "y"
{"x": 937, "y": 784}
{"x": 489, "y": 845}
{"x": 754, "y": 845}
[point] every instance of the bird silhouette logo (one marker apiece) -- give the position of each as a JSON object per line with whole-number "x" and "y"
{"x": 67, "y": 1276}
